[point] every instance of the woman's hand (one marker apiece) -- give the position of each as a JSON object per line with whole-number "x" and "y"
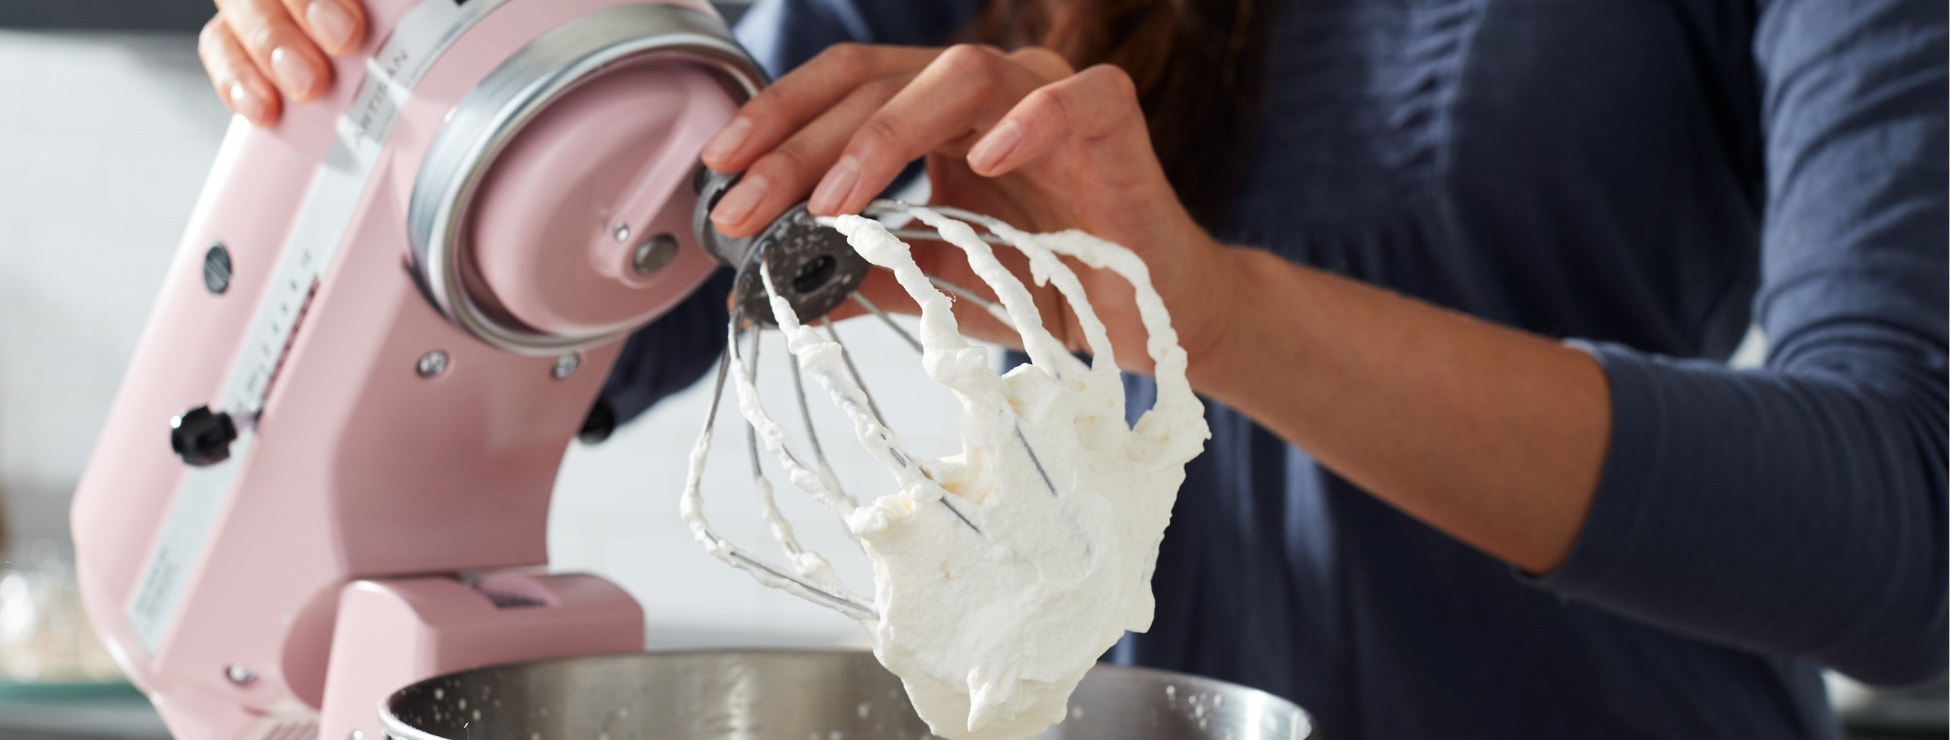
{"x": 1020, "y": 136}
{"x": 260, "y": 52}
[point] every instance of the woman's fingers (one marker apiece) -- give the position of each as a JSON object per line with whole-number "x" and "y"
{"x": 1093, "y": 104}
{"x": 337, "y": 26}
{"x": 259, "y": 51}
{"x": 781, "y": 109}
{"x": 783, "y": 175}
{"x": 278, "y": 46}
{"x": 957, "y": 95}
{"x": 239, "y": 84}
{"x": 1042, "y": 60}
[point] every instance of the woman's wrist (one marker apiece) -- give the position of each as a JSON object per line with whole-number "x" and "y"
{"x": 1490, "y": 434}
{"x": 1229, "y": 340}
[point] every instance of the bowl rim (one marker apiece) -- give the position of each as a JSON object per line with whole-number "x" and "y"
{"x": 395, "y": 727}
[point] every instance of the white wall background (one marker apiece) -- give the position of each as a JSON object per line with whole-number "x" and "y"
{"x": 104, "y": 144}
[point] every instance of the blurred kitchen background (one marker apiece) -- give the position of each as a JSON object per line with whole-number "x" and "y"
{"x": 107, "y": 129}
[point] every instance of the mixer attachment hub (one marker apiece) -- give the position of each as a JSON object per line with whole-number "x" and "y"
{"x": 823, "y": 270}
{"x": 820, "y": 271}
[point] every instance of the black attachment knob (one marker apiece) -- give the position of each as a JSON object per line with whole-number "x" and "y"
{"x": 201, "y": 436}
{"x": 599, "y": 424}
{"x": 812, "y": 266}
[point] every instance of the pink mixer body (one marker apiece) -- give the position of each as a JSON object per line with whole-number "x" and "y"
{"x": 382, "y": 516}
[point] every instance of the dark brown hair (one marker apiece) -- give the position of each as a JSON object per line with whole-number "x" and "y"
{"x": 1196, "y": 64}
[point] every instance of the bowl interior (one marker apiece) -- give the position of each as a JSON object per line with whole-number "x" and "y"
{"x": 819, "y": 695}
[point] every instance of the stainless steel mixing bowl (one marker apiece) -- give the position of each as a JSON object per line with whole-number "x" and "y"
{"x": 816, "y": 695}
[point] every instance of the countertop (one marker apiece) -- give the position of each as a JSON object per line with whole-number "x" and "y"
{"x": 132, "y": 719}
{"x": 82, "y": 719}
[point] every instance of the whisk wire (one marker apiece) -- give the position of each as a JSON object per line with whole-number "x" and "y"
{"x": 751, "y": 432}
{"x": 812, "y": 578}
{"x": 830, "y": 596}
{"x": 812, "y": 434}
{"x": 994, "y": 310}
{"x": 893, "y": 450}
{"x": 846, "y": 358}
{"x": 887, "y": 319}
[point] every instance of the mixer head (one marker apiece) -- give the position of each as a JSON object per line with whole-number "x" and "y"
{"x": 552, "y": 211}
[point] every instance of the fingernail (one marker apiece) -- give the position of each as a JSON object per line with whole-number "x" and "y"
{"x": 727, "y": 141}
{"x": 245, "y": 103}
{"x": 293, "y": 70}
{"x": 997, "y": 144}
{"x": 331, "y": 23}
{"x": 738, "y": 203}
{"x": 832, "y": 190}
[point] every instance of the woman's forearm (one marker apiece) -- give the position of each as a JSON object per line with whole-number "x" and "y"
{"x": 1492, "y": 435}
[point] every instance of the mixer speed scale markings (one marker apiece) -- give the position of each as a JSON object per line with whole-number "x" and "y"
{"x": 419, "y": 38}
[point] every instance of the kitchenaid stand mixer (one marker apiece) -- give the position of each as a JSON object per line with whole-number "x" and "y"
{"x": 388, "y": 316}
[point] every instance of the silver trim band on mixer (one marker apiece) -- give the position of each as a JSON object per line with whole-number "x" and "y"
{"x": 489, "y": 117}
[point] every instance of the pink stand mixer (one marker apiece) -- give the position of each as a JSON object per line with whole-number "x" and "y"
{"x": 389, "y": 315}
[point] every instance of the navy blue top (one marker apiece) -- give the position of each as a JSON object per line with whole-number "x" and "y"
{"x": 1643, "y": 178}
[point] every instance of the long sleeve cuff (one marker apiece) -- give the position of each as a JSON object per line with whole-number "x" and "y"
{"x": 1765, "y": 511}
{"x": 1629, "y": 484}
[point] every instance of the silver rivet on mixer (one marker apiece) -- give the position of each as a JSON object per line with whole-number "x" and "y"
{"x": 357, "y": 735}
{"x": 622, "y": 232}
{"x": 432, "y": 364}
{"x": 239, "y": 675}
{"x": 566, "y": 365}
{"x": 654, "y": 253}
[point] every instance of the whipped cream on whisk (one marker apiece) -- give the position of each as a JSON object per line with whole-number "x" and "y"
{"x": 1004, "y": 572}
